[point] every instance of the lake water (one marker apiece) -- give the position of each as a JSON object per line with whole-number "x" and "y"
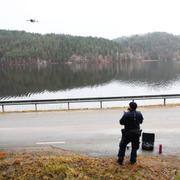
{"x": 89, "y": 80}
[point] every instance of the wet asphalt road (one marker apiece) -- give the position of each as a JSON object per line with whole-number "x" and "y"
{"x": 93, "y": 132}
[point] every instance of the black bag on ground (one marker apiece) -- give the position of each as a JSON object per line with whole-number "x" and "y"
{"x": 148, "y": 141}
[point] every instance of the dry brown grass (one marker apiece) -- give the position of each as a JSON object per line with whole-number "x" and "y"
{"x": 58, "y": 164}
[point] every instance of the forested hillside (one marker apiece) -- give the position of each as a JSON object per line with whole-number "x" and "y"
{"x": 23, "y": 47}
{"x": 20, "y": 47}
{"x": 151, "y": 46}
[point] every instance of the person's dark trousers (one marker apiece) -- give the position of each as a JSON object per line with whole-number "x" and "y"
{"x": 134, "y": 139}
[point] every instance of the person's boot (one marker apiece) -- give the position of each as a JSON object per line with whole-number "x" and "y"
{"x": 132, "y": 161}
{"x": 120, "y": 160}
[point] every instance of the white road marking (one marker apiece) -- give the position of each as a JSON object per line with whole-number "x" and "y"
{"x": 51, "y": 142}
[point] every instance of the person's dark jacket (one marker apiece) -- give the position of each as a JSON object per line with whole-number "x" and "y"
{"x": 131, "y": 120}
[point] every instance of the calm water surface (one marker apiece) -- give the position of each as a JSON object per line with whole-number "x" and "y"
{"x": 89, "y": 80}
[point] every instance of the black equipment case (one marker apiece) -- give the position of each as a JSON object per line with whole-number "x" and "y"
{"x": 148, "y": 141}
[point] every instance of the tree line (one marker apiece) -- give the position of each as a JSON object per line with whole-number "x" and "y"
{"x": 151, "y": 46}
{"x": 26, "y": 48}
{"x": 29, "y": 47}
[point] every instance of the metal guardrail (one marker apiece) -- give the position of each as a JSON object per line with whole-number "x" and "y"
{"x": 81, "y": 100}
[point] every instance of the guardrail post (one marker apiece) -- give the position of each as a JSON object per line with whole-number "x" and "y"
{"x": 164, "y": 101}
{"x": 2, "y": 107}
{"x": 68, "y": 106}
{"x": 100, "y": 104}
{"x": 35, "y": 107}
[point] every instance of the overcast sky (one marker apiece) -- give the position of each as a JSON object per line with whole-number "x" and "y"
{"x": 101, "y": 18}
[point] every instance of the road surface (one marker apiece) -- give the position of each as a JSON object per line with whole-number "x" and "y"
{"x": 93, "y": 132}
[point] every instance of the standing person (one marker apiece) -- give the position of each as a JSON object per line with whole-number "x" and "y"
{"x": 131, "y": 132}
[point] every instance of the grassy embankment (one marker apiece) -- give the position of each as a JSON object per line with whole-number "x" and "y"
{"x": 58, "y": 164}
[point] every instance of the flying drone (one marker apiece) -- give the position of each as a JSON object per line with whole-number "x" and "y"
{"x": 32, "y": 20}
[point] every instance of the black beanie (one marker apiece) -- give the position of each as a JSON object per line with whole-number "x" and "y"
{"x": 133, "y": 105}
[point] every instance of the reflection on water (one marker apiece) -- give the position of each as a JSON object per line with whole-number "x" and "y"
{"x": 108, "y": 79}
